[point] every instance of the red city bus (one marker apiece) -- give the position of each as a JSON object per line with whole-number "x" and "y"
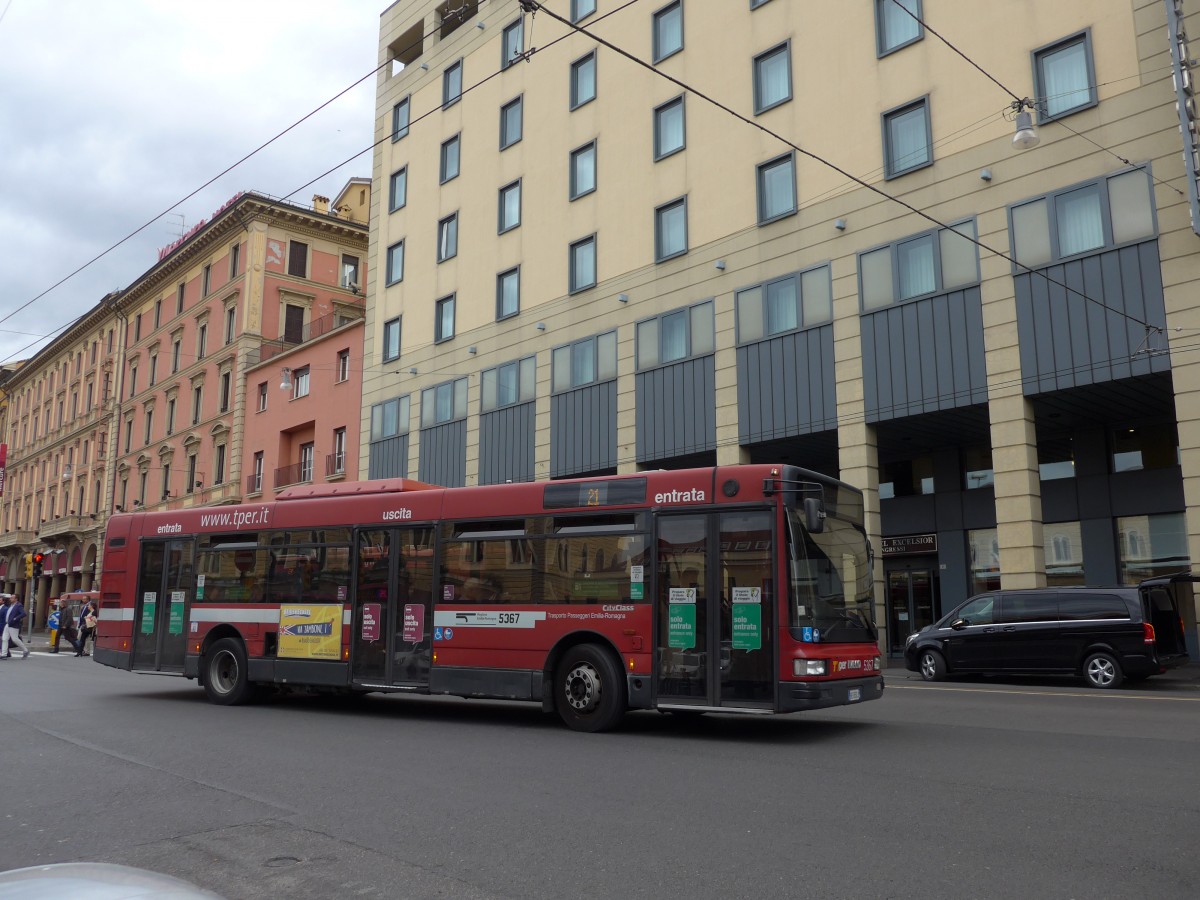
{"x": 729, "y": 589}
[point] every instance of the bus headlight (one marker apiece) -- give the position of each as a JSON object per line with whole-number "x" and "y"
{"x": 809, "y": 667}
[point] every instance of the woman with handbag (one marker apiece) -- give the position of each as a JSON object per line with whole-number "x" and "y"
{"x": 87, "y": 627}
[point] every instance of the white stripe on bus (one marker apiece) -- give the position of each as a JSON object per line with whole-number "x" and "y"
{"x": 209, "y": 614}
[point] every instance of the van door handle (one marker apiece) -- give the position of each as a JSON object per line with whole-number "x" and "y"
{"x": 989, "y": 631}
{"x": 1010, "y": 628}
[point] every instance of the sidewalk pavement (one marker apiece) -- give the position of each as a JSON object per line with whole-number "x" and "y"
{"x": 1185, "y": 677}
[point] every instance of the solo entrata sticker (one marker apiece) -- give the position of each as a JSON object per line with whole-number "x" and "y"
{"x": 681, "y": 618}
{"x": 747, "y": 618}
{"x": 310, "y": 632}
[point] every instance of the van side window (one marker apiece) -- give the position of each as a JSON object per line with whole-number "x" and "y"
{"x": 1016, "y": 608}
{"x": 978, "y": 611}
{"x": 1074, "y": 608}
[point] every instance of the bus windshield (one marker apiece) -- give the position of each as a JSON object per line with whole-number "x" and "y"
{"x": 831, "y": 588}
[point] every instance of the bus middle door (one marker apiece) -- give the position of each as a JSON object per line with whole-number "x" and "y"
{"x": 166, "y": 587}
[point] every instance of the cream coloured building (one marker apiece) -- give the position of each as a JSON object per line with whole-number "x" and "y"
{"x": 580, "y": 266}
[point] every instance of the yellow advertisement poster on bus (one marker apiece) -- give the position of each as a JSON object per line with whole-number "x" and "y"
{"x": 310, "y": 632}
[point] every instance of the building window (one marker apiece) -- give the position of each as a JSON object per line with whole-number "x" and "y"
{"x": 512, "y": 43}
{"x": 300, "y": 383}
{"x": 226, "y": 380}
{"x": 398, "y": 190}
{"x": 1137, "y": 449}
{"x": 201, "y": 341}
{"x": 170, "y": 417}
{"x": 669, "y": 128}
{"x": 772, "y": 78}
{"x": 257, "y": 475}
{"x": 166, "y": 480}
{"x": 395, "y": 263}
{"x": 447, "y": 402}
{"x": 670, "y": 230}
{"x": 306, "y": 461}
{"x": 230, "y": 324}
{"x": 583, "y": 170}
{"x": 588, "y": 361}
{"x": 390, "y": 418}
{"x": 1063, "y": 77}
{"x": 1104, "y": 213}
{"x": 1149, "y": 546}
{"x": 235, "y": 258}
{"x": 298, "y": 259}
{"x": 391, "y": 339}
{"x": 175, "y": 348}
{"x": 149, "y": 425}
{"x": 447, "y": 246}
{"x": 179, "y": 292}
{"x": 350, "y": 272}
{"x": 894, "y": 26}
{"x": 128, "y": 434}
{"x": 680, "y": 334}
{"x": 452, "y": 84}
{"x": 784, "y": 304}
{"x": 930, "y": 263}
{"x": 984, "y": 547}
{"x": 153, "y": 369}
{"x": 583, "y": 80}
{"x": 510, "y": 206}
{"x": 1063, "y": 543}
{"x": 776, "y": 188}
{"x": 508, "y": 293}
{"x": 157, "y": 322}
{"x": 137, "y": 334}
{"x": 262, "y": 396}
{"x": 132, "y": 388}
{"x": 343, "y": 366}
{"x": 197, "y": 404}
{"x": 508, "y": 384}
{"x": 449, "y": 164}
{"x": 219, "y": 475}
{"x": 907, "y": 141}
{"x": 511, "y": 124}
{"x": 977, "y": 468}
{"x": 906, "y": 478}
{"x": 443, "y": 319}
{"x": 582, "y": 264}
{"x": 206, "y": 280}
{"x": 400, "y": 114}
{"x": 339, "y": 452}
{"x": 581, "y": 9}
{"x": 668, "y": 30}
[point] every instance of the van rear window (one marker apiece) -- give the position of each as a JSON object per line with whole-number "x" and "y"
{"x": 1092, "y": 606}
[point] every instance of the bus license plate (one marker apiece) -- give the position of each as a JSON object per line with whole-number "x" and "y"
{"x": 854, "y": 695}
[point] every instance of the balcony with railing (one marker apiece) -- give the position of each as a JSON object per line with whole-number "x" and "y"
{"x": 254, "y": 483}
{"x": 335, "y": 464}
{"x": 311, "y": 331}
{"x": 16, "y": 539}
{"x": 67, "y": 525}
{"x": 296, "y": 473}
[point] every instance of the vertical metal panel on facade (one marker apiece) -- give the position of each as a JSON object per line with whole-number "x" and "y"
{"x": 677, "y": 409}
{"x": 389, "y": 458}
{"x": 786, "y": 386}
{"x": 583, "y": 430}
{"x": 444, "y": 454}
{"x": 1068, "y": 340}
{"x": 924, "y": 356}
{"x": 506, "y": 444}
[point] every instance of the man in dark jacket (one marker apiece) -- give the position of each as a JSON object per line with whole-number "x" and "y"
{"x": 5, "y": 600}
{"x": 12, "y": 628}
{"x": 66, "y": 627}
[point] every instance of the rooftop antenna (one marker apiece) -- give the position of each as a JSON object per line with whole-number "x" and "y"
{"x": 182, "y": 223}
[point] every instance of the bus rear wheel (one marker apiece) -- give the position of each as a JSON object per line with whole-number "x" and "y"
{"x": 589, "y": 689}
{"x": 226, "y": 679}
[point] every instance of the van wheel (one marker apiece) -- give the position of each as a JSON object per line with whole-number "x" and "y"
{"x": 1102, "y": 671}
{"x": 226, "y": 679}
{"x": 589, "y": 689}
{"x": 933, "y": 665}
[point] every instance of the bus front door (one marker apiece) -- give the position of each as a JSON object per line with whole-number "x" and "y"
{"x": 715, "y": 618}
{"x": 393, "y": 615}
{"x": 166, "y": 588}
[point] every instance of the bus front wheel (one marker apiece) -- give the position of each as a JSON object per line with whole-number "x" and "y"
{"x": 226, "y": 680}
{"x": 589, "y": 689}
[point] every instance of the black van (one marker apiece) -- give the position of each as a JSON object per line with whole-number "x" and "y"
{"x": 1107, "y": 635}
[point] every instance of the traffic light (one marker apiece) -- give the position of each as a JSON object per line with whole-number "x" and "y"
{"x": 28, "y": 565}
{"x": 38, "y": 559}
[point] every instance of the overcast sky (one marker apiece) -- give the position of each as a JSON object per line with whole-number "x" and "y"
{"x": 112, "y": 111}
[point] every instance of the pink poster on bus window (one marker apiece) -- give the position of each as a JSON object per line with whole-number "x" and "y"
{"x": 414, "y": 623}
{"x": 370, "y": 621}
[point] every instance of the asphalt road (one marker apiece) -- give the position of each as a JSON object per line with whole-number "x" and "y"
{"x": 963, "y": 789}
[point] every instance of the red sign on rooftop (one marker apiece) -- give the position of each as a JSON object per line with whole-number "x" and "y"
{"x": 166, "y": 251}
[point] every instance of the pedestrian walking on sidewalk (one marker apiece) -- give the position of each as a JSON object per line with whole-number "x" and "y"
{"x": 5, "y": 600}
{"x": 87, "y": 627}
{"x": 12, "y": 628}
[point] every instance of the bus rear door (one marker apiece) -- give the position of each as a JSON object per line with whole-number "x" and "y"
{"x": 166, "y": 588}
{"x": 716, "y": 610}
{"x": 391, "y": 641}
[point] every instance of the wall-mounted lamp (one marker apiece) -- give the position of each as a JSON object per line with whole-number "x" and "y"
{"x": 285, "y": 379}
{"x": 840, "y": 224}
{"x": 721, "y": 264}
{"x": 623, "y": 298}
{"x": 412, "y": 371}
{"x": 541, "y": 326}
{"x": 985, "y": 174}
{"x": 1026, "y": 135}
{"x": 472, "y": 350}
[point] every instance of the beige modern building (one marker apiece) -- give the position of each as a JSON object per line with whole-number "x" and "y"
{"x": 580, "y": 265}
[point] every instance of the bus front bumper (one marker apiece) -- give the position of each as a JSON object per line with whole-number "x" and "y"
{"x": 795, "y": 696}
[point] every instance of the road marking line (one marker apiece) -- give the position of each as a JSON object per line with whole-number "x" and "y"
{"x": 1095, "y": 695}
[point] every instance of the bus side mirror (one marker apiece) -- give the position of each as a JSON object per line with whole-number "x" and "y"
{"x": 814, "y": 515}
